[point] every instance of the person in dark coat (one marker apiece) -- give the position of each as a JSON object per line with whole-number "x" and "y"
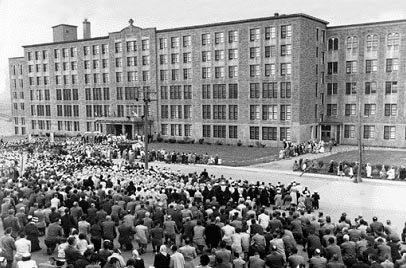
{"x": 162, "y": 259}
{"x": 213, "y": 235}
{"x": 12, "y": 222}
{"x": 32, "y": 234}
{"x": 71, "y": 252}
{"x": 67, "y": 223}
{"x": 126, "y": 233}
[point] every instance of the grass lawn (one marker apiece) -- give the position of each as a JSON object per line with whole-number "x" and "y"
{"x": 230, "y": 155}
{"x": 375, "y": 157}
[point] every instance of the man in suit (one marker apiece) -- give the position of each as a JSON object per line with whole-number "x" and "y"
{"x": 317, "y": 261}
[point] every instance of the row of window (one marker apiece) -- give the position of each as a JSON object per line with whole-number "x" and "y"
{"x": 67, "y": 94}
{"x": 369, "y": 132}
{"x": 176, "y": 111}
{"x": 176, "y": 130}
{"x": 17, "y": 131}
{"x": 15, "y": 106}
{"x": 391, "y": 87}
{"x": 41, "y": 124}
{"x": 390, "y": 109}
{"x": 39, "y": 94}
{"x": 270, "y": 90}
{"x": 19, "y": 120}
{"x": 176, "y": 92}
{"x": 267, "y": 133}
{"x": 270, "y": 112}
{"x": 40, "y": 110}
{"x": 371, "y": 42}
{"x": 371, "y": 66}
{"x": 97, "y": 93}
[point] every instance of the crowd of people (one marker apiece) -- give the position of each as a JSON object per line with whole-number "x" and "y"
{"x": 84, "y": 209}
{"x": 291, "y": 149}
{"x": 184, "y": 158}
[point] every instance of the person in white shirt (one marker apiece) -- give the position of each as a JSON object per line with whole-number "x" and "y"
{"x": 23, "y": 246}
{"x": 228, "y": 231}
{"x": 263, "y": 219}
{"x": 26, "y": 262}
{"x": 55, "y": 202}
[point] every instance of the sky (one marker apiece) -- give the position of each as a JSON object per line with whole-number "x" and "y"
{"x": 26, "y": 22}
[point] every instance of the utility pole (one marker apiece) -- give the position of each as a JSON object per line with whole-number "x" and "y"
{"x": 358, "y": 178}
{"x": 146, "y": 100}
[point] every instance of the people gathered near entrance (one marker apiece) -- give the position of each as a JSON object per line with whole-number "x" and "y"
{"x": 84, "y": 207}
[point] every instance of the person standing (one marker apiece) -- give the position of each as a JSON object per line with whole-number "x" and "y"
{"x": 189, "y": 253}
{"x": 53, "y": 236}
{"x": 177, "y": 260}
{"x": 162, "y": 259}
{"x": 7, "y": 246}
{"x": 32, "y": 233}
{"x": 23, "y": 246}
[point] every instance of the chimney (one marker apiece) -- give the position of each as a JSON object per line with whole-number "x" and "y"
{"x": 86, "y": 29}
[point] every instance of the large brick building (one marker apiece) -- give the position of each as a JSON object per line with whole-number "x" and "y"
{"x": 259, "y": 80}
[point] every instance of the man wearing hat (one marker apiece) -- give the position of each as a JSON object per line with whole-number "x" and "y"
{"x": 275, "y": 259}
{"x": 32, "y": 233}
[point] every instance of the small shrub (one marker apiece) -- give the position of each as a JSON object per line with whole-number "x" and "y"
{"x": 219, "y": 143}
{"x": 251, "y": 146}
{"x": 159, "y": 139}
{"x": 321, "y": 164}
{"x": 201, "y": 140}
{"x": 239, "y": 143}
{"x": 172, "y": 140}
{"x": 208, "y": 143}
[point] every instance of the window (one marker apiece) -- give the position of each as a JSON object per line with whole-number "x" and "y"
{"x": 176, "y": 111}
{"x": 349, "y": 131}
{"x": 233, "y": 91}
{"x": 96, "y": 64}
{"x": 254, "y": 133}
{"x": 392, "y": 65}
{"x": 219, "y": 91}
{"x": 97, "y": 94}
{"x": 131, "y": 61}
{"x": 391, "y": 87}
{"x": 269, "y": 133}
{"x": 176, "y": 130}
{"x": 332, "y": 88}
{"x": 232, "y": 71}
{"x": 370, "y": 88}
{"x": 255, "y": 70}
{"x": 389, "y": 132}
{"x": 187, "y": 41}
{"x": 145, "y": 60}
{"x": 351, "y": 88}
{"x": 131, "y": 46}
{"x": 145, "y": 75}
{"x": 218, "y": 55}
{"x": 269, "y": 112}
{"x": 187, "y": 92}
{"x": 286, "y": 50}
{"x": 254, "y": 52}
{"x": 286, "y": 31}
{"x": 254, "y": 90}
{"x": 164, "y": 92}
{"x": 106, "y": 78}
{"x": 286, "y": 90}
{"x": 164, "y": 75}
{"x": 145, "y": 44}
{"x": 105, "y": 49}
{"x": 270, "y": 33}
{"x": 351, "y": 67}
{"x": 175, "y": 42}
{"x": 206, "y": 92}
{"x": 352, "y": 42}
{"x": 350, "y": 109}
{"x": 218, "y": 38}
{"x": 119, "y": 62}
{"x": 188, "y": 130}
{"x": 232, "y": 36}
{"x": 119, "y": 77}
{"x": 45, "y": 54}
{"x": 187, "y": 57}
{"x": 270, "y": 69}
{"x": 164, "y": 112}
{"x": 187, "y": 73}
{"x": 219, "y": 131}
{"x": 164, "y": 129}
{"x": 254, "y": 112}
{"x": 118, "y": 47}
{"x": 163, "y": 43}
{"x": 371, "y": 66}
{"x": 332, "y": 67}
{"x": 219, "y": 72}
{"x": 175, "y": 92}
{"x": 390, "y": 109}
{"x": 393, "y": 41}
{"x": 88, "y": 94}
{"x": 75, "y": 94}
{"x": 233, "y": 112}
{"x": 369, "y": 132}
{"x": 206, "y": 131}
{"x": 174, "y": 58}
{"x": 286, "y": 112}
{"x": 284, "y": 133}
{"x": 206, "y": 73}
{"x": 175, "y": 75}
{"x": 286, "y": 69}
{"x": 369, "y": 109}
{"x": 187, "y": 111}
{"x": 106, "y": 93}
{"x": 219, "y": 112}
{"x": 331, "y": 109}
{"x": 206, "y": 109}
{"x": 206, "y": 56}
{"x": 232, "y": 132}
{"x": 255, "y": 34}
{"x": 372, "y": 42}
{"x": 270, "y": 51}
{"x": 269, "y": 90}
{"x": 131, "y": 93}
{"x": 333, "y": 44}
{"x": 206, "y": 39}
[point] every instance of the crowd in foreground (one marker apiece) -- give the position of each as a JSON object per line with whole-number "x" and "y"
{"x": 89, "y": 208}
